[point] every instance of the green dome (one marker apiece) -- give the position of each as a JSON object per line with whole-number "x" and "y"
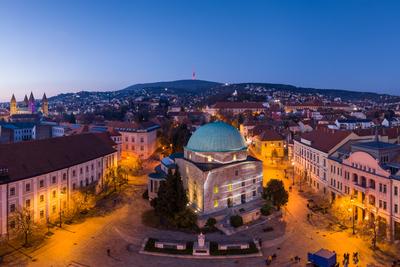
{"x": 216, "y": 137}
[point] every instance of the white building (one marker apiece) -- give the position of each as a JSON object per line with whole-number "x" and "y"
{"x": 41, "y": 175}
{"x": 352, "y": 124}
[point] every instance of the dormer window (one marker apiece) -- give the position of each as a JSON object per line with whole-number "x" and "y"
{"x": 234, "y": 157}
{"x": 209, "y": 158}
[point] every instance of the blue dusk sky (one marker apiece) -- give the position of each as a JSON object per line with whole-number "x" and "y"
{"x": 66, "y": 46}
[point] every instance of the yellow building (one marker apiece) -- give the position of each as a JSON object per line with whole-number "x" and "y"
{"x": 269, "y": 145}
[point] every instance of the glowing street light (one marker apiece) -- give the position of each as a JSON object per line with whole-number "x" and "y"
{"x": 353, "y": 209}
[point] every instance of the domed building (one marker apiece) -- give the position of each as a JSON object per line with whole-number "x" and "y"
{"x": 216, "y": 169}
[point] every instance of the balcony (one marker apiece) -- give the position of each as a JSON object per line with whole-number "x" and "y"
{"x": 361, "y": 187}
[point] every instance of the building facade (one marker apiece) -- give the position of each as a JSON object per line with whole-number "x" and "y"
{"x": 216, "y": 171}
{"x": 41, "y": 175}
{"x": 138, "y": 139}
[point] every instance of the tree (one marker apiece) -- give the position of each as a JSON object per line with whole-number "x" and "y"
{"x": 23, "y": 222}
{"x": 276, "y": 193}
{"x": 180, "y": 137}
{"x": 342, "y": 209}
{"x": 236, "y": 220}
{"x": 171, "y": 198}
{"x": 81, "y": 201}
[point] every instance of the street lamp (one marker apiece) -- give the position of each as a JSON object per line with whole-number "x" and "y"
{"x": 61, "y": 193}
{"x": 292, "y": 172}
{"x": 353, "y": 209}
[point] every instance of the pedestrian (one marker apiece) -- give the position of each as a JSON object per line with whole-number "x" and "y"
{"x": 108, "y": 252}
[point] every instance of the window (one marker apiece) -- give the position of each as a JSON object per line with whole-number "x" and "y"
{"x": 64, "y": 190}
{"x": 236, "y": 172}
{"x": 141, "y": 139}
{"x": 209, "y": 158}
{"x": 54, "y": 208}
{"x": 73, "y": 186}
{"x": 41, "y": 214}
{"x": 41, "y": 183}
{"x": 215, "y": 203}
{"x": 396, "y": 208}
{"x": 141, "y": 148}
{"x": 12, "y": 208}
{"x": 384, "y": 188}
{"x": 81, "y": 170}
{"x": 73, "y": 173}
{"x": 216, "y": 189}
{"x": 41, "y": 198}
{"x": 133, "y": 139}
{"x": 54, "y": 179}
{"x": 12, "y": 191}
{"x": 234, "y": 157}
{"x": 254, "y": 193}
{"x": 229, "y": 187}
{"x": 28, "y": 187}
{"x": 243, "y": 183}
{"x": 396, "y": 191}
{"x": 28, "y": 203}
{"x": 64, "y": 176}
{"x": 87, "y": 168}
{"x": 92, "y": 167}
{"x": 254, "y": 181}
{"x": 133, "y": 147}
{"x": 54, "y": 193}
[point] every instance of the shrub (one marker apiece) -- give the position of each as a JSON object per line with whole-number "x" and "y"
{"x": 236, "y": 220}
{"x": 211, "y": 222}
{"x": 185, "y": 219}
{"x": 266, "y": 209}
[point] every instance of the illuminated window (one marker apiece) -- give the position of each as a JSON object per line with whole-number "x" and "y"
{"x": 215, "y": 203}
{"x": 234, "y": 157}
{"x": 209, "y": 158}
{"x": 229, "y": 187}
{"x": 216, "y": 189}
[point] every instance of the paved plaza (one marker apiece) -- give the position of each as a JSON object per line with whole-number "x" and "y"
{"x": 86, "y": 244}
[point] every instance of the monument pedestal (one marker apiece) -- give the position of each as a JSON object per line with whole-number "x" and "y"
{"x": 201, "y": 248}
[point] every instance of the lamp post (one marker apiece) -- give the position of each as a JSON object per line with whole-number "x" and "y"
{"x": 353, "y": 209}
{"x": 292, "y": 172}
{"x": 61, "y": 193}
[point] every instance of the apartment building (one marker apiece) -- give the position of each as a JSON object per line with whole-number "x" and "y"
{"x": 41, "y": 175}
{"x": 369, "y": 172}
{"x": 138, "y": 139}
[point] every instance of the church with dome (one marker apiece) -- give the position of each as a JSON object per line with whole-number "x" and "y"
{"x": 216, "y": 169}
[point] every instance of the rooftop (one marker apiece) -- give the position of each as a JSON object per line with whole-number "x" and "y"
{"x": 325, "y": 139}
{"x": 216, "y": 137}
{"x": 37, "y": 157}
{"x": 376, "y": 145}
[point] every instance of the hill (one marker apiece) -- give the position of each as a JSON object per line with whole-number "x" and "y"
{"x": 188, "y": 85}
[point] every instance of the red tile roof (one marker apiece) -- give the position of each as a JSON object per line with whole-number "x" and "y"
{"x": 269, "y": 135}
{"x": 325, "y": 139}
{"x": 37, "y": 157}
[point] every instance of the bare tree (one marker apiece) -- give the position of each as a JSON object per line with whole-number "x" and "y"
{"x": 22, "y": 223}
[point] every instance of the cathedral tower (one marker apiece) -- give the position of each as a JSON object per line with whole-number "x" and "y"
{"x": 31, "y": 104}
{"x": 45, "y": 105}
{"x": 13, "y": 105}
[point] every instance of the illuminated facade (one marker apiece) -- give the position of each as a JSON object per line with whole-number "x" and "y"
{"x": 137, "y": 139}
{"x": 217, "y": 171}
{"x": 41, "y": 175}
{"x": 28, "y": 106}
